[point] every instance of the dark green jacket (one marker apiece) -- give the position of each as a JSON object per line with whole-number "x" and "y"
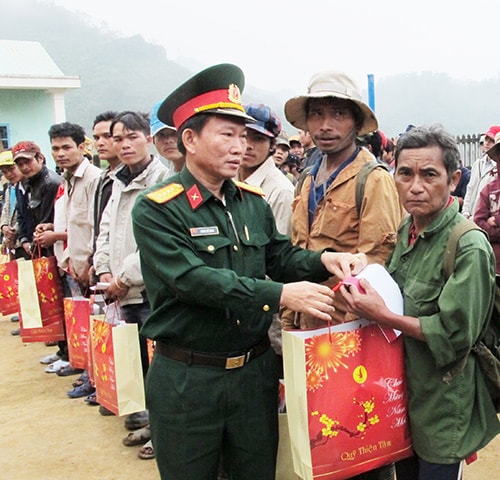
{"x": 204, "y": 264}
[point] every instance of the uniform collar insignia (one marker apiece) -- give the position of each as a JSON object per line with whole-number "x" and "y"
{"x": 194, "y": 197}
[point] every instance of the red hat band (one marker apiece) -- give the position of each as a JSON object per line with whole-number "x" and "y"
{"x": 224, "y": 99}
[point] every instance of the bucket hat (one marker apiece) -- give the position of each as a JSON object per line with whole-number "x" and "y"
{"x": 330, "y": 84}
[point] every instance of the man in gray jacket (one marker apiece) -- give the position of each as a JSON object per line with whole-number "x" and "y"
{"x": 116, "y": 259}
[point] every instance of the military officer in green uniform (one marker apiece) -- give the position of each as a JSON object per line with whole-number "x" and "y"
{"x": 206, "y": 244}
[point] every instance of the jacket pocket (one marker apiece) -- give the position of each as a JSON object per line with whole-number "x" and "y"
{"x": 421, "y": 297}
{"x": 213, "y": 250}
{"x": 338, "y": 221}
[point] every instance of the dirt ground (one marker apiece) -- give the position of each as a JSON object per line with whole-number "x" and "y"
{"x": 45, "y": 435}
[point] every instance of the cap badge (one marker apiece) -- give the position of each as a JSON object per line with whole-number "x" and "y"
{"x": 233, "y": 93}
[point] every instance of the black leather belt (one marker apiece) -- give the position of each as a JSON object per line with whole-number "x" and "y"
{"x": 229, "y": 362}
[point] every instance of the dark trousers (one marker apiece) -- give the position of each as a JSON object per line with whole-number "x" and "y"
{"x": 198, "y": 413}
{"x": 382, "y": 473}
{"x": 415, "y": 468}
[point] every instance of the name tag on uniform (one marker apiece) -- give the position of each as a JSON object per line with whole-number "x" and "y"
{"x": 203, "y": 231}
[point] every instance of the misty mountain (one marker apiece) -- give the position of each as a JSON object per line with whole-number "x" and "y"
{"x": 127, "y": 73}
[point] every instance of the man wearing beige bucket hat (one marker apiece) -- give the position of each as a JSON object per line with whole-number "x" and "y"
{"x": 325, "y": 213}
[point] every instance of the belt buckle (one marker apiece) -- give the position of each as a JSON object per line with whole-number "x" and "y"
{"x": 235, "y": 362}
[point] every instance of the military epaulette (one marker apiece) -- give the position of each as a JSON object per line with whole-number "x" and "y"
{"x": 166, "y": 193}
{"x": 250, "y": 188}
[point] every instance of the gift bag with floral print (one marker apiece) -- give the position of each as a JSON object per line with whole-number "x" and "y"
{"x": 9, "y": 300}
{"x": 41, "y": 300}
{"x": 117, "y": 370}
{"x": 346, "y": 400}
{"x": 77, "y": 318}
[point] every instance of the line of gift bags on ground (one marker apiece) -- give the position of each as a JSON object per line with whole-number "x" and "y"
{"x": 102, "y": 344}
{"x": 346, "y": 398}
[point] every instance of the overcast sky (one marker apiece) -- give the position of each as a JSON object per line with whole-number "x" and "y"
{"x": 284, "y": 42}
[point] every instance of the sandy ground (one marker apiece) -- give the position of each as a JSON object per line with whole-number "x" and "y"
{"x": 45, "y": 435}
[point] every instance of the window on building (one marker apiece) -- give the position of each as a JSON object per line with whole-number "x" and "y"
{"x": 4, "y": 135}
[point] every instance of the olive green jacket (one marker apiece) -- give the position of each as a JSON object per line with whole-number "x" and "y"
{"x": 449, "y": 421}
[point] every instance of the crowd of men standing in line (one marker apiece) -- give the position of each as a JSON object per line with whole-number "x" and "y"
{"x": 239, "y": 232}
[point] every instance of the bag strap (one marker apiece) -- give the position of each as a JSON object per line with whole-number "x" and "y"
{"x": 450, "y": 251}
{"x": 302, "y": 177}
{"x": 366, "y": 169}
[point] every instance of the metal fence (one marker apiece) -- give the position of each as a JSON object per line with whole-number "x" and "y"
{"x": 470, "y": 148}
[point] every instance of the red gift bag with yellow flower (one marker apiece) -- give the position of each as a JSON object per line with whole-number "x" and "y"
{"x": 41, "y": 308}
{"x": 9, "y": 301}
{"x": 77, "y": 319}
{"x": 346, "y": 400}
{"x": 117, "y": 369}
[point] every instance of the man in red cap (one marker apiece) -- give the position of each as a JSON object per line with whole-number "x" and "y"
{"x": 206, "y": 244}
{"x": 482, "y": 173}
{"x": 41, "y": 186}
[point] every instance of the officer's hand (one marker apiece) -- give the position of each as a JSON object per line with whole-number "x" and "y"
{"x": 311, "y": 298}
{"x": 343, "y": 264}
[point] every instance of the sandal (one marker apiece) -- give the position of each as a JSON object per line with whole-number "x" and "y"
{"x": 83, "y": 378}
{"x": 138, "y": 437}
{"x": 82, "y": 391}
{"x": 68, "y": 370}
{"x": 92, "y": 400}
{"x": 146, "y": 452}
{"x": 56, "y": 366}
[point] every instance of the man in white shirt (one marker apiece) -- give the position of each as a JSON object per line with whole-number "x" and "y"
{"x": 482, "y": 173}
{"x": 258, "y": 166}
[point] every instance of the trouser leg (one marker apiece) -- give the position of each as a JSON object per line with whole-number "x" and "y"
{"x": 198, "y": 413}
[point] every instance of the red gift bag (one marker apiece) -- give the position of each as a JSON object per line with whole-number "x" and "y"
{"x": 346, "y": 400}
{"x": 77, "y": 319}
{"x": 90, "y": 364}
{"x": 117, "y": 369}
{"x": 41, "y": 300}
{"x": 9, "y": 300}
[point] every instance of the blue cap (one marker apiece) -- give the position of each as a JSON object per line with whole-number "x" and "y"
{"x": 155, "y": 123}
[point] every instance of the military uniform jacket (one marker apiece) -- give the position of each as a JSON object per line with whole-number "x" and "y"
{"x": 204, "y": 264}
